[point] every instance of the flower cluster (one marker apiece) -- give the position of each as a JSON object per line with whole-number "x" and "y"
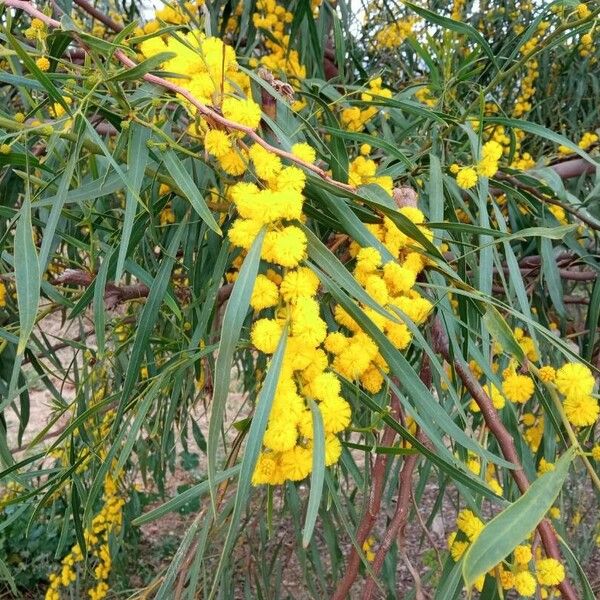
{"x": 97, "y": 536}
{"x": 467, "y": 177}
{"x": 588, "y": 139}
{"x": 211, "y": 72}
{"x": 576, "y": 383}
{"x": 280, "y": 58}
{"x": 390, "y": 283}
{"x": 354, "y": 118}
{"x": 394, "y": 34}
{"x": 519, "y": 574}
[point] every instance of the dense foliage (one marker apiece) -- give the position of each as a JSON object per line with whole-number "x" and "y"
{"x": 339, "y": 262}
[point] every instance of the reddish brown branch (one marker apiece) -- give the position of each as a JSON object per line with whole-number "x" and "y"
{"x": 398, "y": 522}
{"x": 588, "y": 220}
{"x": 370, "y": 517}
{"x": 505, "y": 441}
{"x": 99, "y": 15}
{"x": 113, "y": 294}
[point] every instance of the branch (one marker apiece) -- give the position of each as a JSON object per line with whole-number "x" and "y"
{"x": 398, "y": 521}
{"x": 113, "y": 294}
{"x": 211, "y": 115}
{"x": 588, "y": 220}
{"x": 505, "y": 441}
{"x": 99, "y": 16}
{"x": 370, "y": 517}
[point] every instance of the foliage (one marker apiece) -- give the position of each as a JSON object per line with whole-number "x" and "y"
{"x": 341, "y": 269}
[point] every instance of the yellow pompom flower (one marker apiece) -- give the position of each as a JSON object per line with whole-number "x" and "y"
{"x": 217, "y": 142}
{"x": 280, "y": 436}
{"x": 365, "y": 149}
{"x": 245, "y": 112}
{"x": 469, "y": 524}
{"x": 525, "y": 583}
{"x": 336, "y": 413}
{"x": 265, "y": 293}
{"x": 518, "y": 388}
{"x": 595, "y": 449}
{"x": 265, "y": 335}
{"x": 574, "y": 380}
{"x": 304, "y": 152}
{"x": 42, "y": 63}
{"x": 547, "y": 374}
{"x": 4, "y": 149}
{"x": 581, "y": 411}
{"x": 286, "y": 247}
{"x": 266, "y": 164}
{"x": 466, "y": 178}
{"x": 522, "y": 554}
{"x": 454, "y": 168}
{"x": 300, "y": 283}
{"x": 243, "y": 232}
{"x": 549, "y": 571}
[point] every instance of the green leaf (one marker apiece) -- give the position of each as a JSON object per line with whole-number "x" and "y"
{"x": 187, "y": 185}
{"x": 233, "y": 320}
{"x": 251, "y": 453}
{"x": 148, "y": 318}
{"x": 458, "y": 26}
{"x": 36, "y": 72}
{"x": 61, "y": 196}
{"x": 196, "y": 491}
{"x": 552, "y": 276}
{"x": 137, "y": 72}
{"x": 500, "y": 331}
{"x": 137, "y": 156}
{"x": 27, "y": 275}
{"x": 507, "y": 530}
{"x": 317, "y": 474}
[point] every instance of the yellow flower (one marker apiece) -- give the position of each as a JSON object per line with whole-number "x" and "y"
{"x": 286, "y": 247}
{"x": 581, "y": 411}
{"x": 595, "y": 449}
{"x": 574, "y": 380}
{"x": 265, "y": 335}
{"x": 522, "y": 554}
{"x": 518, "y": 388}
{"x": 4, "y": 149}
{"x": 547, "y": 374}
{"x": 265, "y": 293}
{"x": 300, "y": 283}
{"x": 304, "y": 152}
{"x": 245, "y": 112}
{"x": 525, "y": 583}
{"x": 466, "y": 178}
{"x": 42, "y": 63}
{"x": 469, "y": 524}
{"x": 217, "y": 142}
{"x": 266, "y": 164}
{"x": 549, "y": 571}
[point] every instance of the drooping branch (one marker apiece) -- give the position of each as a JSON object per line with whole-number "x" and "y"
{"x": 211, "y": 115}
{"x": 505, "y": 441}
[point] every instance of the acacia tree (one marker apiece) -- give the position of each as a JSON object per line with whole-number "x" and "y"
{"x": 381, "y": 229}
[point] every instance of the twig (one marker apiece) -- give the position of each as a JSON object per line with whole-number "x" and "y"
{"x": 505, "y": 441}
{"x": 398, "y": 521}
{"x": 99, "y": 15}
{"x": 371, "y": 514}
{"x": 588, "y": 220}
